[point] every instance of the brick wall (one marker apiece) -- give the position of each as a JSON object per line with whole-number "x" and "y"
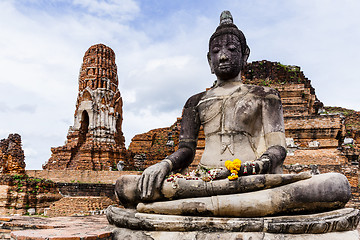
{"x": 149, "y": 148}
{"x": 79, "y": 206}
{"x": 79, "y": 176}
{"x": 331, "y": 156}
{"x": 12, "y": 158}
{"x": 18, "y": 193}
{"x": 87, "y": 189}
{"x": 295, "y": 89}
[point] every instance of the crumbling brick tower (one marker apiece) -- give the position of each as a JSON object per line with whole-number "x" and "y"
{"x": 96, "y": 141}
{"x": 12, "y": 158}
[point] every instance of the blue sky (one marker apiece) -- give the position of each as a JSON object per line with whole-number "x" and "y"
{"x": 160, "y": 51}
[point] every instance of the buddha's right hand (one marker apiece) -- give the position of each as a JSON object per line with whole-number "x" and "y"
{"x": 152, "y": 178}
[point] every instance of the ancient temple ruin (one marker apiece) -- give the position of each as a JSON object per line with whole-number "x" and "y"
{"x": 95, "y": 141}
{"x": 303, "y": 123}
{"x": 12, "y": 158}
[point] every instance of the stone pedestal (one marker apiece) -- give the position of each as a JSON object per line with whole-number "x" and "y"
{"x": 337, "y": 224}
{"x": 122, "y": 233}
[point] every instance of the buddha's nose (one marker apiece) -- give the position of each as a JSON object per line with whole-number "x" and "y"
{"x": 223, "y": 57}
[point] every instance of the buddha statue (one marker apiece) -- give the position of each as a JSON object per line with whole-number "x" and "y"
{"x": 242, "y": 122}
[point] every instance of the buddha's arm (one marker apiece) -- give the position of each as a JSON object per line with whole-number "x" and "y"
{"x": 274, "y": 130}
{"x": 152, "y": 178}
{"x": 190, "y": 125}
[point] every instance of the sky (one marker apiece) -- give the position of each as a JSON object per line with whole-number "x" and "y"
{"x": 160, "y": 49}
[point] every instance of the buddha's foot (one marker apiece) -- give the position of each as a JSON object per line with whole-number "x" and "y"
{"x": 319, "y": 193}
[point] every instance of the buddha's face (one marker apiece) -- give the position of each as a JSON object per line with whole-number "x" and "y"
{"x": 225, "y": 56}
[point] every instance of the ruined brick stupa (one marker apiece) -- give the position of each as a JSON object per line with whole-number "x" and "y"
{"x": 95, "y": 141}
{"x": 12, "y": 158}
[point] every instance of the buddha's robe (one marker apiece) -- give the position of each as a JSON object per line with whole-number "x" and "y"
{"x": 240, "y": 121}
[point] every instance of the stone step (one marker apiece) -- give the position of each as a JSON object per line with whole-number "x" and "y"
{"x": 40, "y": 228}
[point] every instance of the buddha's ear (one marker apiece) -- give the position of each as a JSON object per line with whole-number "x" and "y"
{"x": 246, "y": 55}
{"x": 210, "y": 64}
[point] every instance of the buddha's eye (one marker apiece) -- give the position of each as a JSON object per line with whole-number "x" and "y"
{"x": 216, "y": 49}
{"x": 232, "y": 47}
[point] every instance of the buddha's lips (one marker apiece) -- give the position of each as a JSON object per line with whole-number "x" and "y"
{"x": 224, "y": 65}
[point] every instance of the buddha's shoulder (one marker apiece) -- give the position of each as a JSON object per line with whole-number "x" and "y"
{"x": 262, "y": 91}
{"x": 194, "y": 100}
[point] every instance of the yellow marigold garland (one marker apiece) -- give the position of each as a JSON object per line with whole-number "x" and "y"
{"x": 233, "y": 167}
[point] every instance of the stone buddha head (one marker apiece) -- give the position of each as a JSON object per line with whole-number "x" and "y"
{"x": 228, "y": 51}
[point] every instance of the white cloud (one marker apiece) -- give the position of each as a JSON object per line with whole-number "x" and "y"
{"x": 30, "y": 152}
{"x": 146, "y": 120}
{"x": 178, "y": 62}
{"x": 123, "y": 9}
{"x": 128, "y": 96}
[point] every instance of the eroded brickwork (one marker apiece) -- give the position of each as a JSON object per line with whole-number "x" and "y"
{"x": 297, "y": 95}
{"x": 19, "y": 193}
{"x": 303, "y": 123}
{"x": 95, "y": 141}
{"x": 12, "y": 158}
{"x": 79, "y": 206}
{"x": 325, "y": 129}
{"x": 350, "y": 136}
{"x": 151, "y": 147}
{"x": 79, "y": 176}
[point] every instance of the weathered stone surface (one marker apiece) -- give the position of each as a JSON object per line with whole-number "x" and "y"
{"x": 341, "y": 220}
{"x": 12, "y": 159}
{"x": 179, "y": 188}
{"x": 122, "y": 233}
{"x": 59, "y": 228}
{"x": 95, "y": 227}
{"x": 95, "y": 141}
{"x": 320, "y": 193}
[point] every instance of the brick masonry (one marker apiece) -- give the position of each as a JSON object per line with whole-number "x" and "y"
{"x": 19, "y": 193}
{"x": 95, "y": 141}
{"x": 79, "y": 206}
{"x": 87, "y": 190}
{"x": 79, "y": 176}
{"x": 12, "y": 158}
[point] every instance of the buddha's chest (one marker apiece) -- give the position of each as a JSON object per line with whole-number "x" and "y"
{"x": 235, "y": 112}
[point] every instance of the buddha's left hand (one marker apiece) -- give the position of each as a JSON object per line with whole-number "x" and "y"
{"x": 256, "y": 167}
